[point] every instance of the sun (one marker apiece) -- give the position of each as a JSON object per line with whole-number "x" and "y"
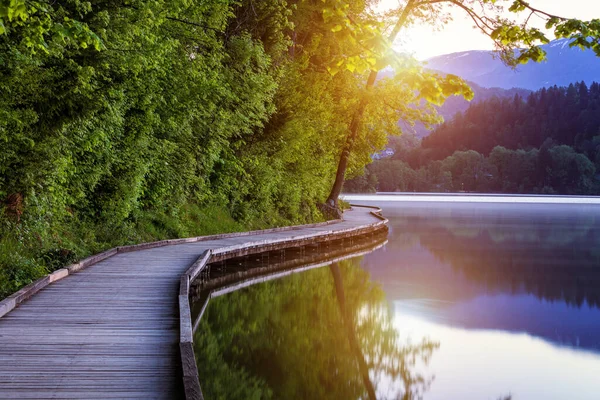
{"x": 425, "y": 41}
{"x": 458, "y": 35}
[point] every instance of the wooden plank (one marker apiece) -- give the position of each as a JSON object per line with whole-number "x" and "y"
{"x": 74, "y": 268}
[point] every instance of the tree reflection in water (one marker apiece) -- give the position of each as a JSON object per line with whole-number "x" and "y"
{"x": 322, "y": 334}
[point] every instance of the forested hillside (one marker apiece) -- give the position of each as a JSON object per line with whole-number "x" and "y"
{"x": 456, "y": 104}
{"x": 128, "y": 122}
{"x": 548, "y": 142}
{"x": 566, "y": 115}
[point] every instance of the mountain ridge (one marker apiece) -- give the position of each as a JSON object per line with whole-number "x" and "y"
{"x": 564, "y": 65}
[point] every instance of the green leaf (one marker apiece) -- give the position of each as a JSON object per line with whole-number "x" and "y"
{"x": 333, "y": 70}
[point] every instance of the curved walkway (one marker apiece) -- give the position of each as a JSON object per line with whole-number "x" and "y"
{"x": 112, "y": 330}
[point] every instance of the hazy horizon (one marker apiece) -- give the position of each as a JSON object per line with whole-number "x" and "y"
{"x": 459, "y": 35}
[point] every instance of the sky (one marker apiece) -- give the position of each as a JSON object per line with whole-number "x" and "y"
{"x": 459, "y": 35}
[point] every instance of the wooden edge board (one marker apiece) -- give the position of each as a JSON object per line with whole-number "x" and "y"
{"x": 191, "y": 381}
{"x": 198, "y": 265}
{"x": 189, "y": 369}
{"x": 185, "y": 320}
{"x": 74, "y": 268}
{"x": 364, "y": 206}
{"x": 31, "y": 289}
{"x": 58, "y": 274}
{"x": 184, "y": 285}
{"x": 191, "y": 378}
{"x": 7, "y": 305}
{"x": 383, "y": 219}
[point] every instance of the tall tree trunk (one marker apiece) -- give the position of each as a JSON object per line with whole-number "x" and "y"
{"x": 340, "y": 174}
{"x": 332, "y": 199}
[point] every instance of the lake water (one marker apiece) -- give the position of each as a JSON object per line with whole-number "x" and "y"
{"x": 467, "y": 300}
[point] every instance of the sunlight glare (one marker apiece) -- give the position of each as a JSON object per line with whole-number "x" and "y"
{"x": 424, "y": 41}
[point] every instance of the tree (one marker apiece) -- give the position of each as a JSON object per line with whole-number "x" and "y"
{"x": 507, "y": 35}
{"x": 467, "y": 169}
{"x": 570, "y": 172}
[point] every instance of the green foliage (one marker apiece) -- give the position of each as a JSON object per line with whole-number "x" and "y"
{"x": 136, "y": 119}
{"x": 391, "y": 176}
{"x": 16, "y": 267}
{"x": 41, "y": 26}
{"x": 548, "y": 143}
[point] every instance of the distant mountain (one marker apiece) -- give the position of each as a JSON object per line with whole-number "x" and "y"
{"x": 457, "y": 104}
{"x": 565, "y": 65}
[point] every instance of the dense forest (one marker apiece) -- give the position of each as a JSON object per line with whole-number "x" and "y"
{"x": 136, "y": 121}
{"x": 548, "y": 142}
{"x": 566, "y": 115}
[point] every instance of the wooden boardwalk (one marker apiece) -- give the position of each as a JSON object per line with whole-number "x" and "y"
{"x": 112, "y": 330}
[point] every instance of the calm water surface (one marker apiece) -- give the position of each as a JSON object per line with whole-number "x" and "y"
{"x": 466, "y": 301}
{"x": 510, "y": 291}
